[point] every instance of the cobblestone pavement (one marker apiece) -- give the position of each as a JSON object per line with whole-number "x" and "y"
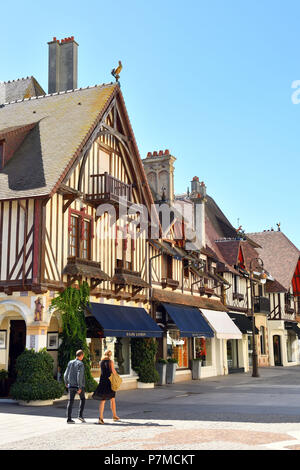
{"x": 236, "y": 412}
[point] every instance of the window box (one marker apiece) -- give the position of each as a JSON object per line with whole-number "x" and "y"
{"x": 206, "y": 291}
{"x": 238, "y": 296}
{"x": 166, "y": 282}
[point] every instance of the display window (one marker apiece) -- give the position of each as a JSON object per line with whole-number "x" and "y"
{"x": 120, "y": 348}
{"x": 178, "y": 349}
{"x": 203, "y": 350}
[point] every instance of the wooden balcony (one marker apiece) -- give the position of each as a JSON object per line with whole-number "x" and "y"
{"x": 104, "y": 188}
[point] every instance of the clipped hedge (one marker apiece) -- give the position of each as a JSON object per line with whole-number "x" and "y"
{"x": 35, "y": 377}
{"x": 143, "y": 352}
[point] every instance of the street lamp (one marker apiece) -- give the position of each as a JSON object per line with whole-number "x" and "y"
{"x": 262, "y": 278}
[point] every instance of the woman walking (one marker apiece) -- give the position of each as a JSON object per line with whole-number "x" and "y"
{"x": 104, "y": 391}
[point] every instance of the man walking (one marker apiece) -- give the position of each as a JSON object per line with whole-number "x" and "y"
{"x": 75, "y": 382}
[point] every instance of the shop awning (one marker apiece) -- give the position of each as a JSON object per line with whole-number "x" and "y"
{"x": 292, "y": 326}
{"x": 121, "y": 321}
{"x": 189, "y": 321}
{"x": 243, "y": 323}
{"x": 222, "y": 324}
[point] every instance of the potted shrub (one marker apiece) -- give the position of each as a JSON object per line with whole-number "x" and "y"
{"x": 35, "y": 385}
{"x": 196, "y": 368}
{"x": 161, "y": 367}
{"x": 143, "y": 351}
{"x": 171, "y": 370}
{"x": 3, "y": 383}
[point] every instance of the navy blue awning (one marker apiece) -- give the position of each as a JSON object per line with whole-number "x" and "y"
{"x": 120, "y": 321}
{"x": 189, "y": 321}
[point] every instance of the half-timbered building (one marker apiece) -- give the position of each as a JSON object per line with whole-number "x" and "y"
{"x": 281, "y": 258}
{"x": 186, "y": 290}
{"x": 72, "y": 189}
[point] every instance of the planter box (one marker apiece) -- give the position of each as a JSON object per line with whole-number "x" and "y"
{"x": 145, "y": 385}
{"x": 36, "y": 403}
{"x": 162, "y": 370}
{"x": 196, "y": 370}
{"x": 171, "y": 371}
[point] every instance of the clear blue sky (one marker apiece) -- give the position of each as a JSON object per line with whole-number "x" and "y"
{"x": 208, "y": 80}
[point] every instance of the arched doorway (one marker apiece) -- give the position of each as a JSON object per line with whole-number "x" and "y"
{"x": 277, "y": 350}
{"x": 17, "y": 343}
{"x": 14, "y": 315}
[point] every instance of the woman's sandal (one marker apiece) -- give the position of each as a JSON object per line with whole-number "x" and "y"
{"x": 116, "y": 418}
{"x": 100, "y": 421}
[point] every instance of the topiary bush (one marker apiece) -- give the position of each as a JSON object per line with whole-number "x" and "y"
{"x": 35, "y": 377}
{"x": 143, "y": 352}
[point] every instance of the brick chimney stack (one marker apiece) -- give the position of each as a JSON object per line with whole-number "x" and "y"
{"x": 63, "y": 65}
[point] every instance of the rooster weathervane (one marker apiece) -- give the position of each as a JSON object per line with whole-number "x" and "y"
{"x": 116, "y": 72}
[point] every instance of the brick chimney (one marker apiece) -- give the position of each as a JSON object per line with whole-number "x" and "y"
{"x": 63, "y": 64}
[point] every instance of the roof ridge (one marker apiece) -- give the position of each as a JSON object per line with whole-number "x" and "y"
{"x": 47, "y": 95}
{"x": 17, "y": 80}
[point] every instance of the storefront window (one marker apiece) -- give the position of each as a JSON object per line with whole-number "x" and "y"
{"x": 232, "y": 354}
{"x": 178, "y": 348}
{"x": 120, "y": 348}
{"x": 203, "y": 350}
{"x": 250, "y": 349}
{"x": 289, "y": 346}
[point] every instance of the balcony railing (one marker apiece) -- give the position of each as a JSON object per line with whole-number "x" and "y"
{"x": 261, "y": 305}
{"x": 104, "y": 188}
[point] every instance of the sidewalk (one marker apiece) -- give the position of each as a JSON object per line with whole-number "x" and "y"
{"x": 231, "y": 412}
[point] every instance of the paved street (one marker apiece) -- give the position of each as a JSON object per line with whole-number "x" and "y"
{"x": 233, "y": 412}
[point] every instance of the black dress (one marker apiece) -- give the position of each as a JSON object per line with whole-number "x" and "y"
{"x": 104, "y": 391}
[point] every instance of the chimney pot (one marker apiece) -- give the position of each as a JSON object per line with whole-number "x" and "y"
{"x": 161, "y": 153}
{"x": 155, "y": 154}
{"x": 149, "y": 154}
{"x": 167, "y": 152}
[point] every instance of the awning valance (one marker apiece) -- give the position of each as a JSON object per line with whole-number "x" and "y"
{"x": 243, "y": 323}
{"x": 189, "y": 321}
{"x": 222, "y": 324}
{"x": 121, "y": 321}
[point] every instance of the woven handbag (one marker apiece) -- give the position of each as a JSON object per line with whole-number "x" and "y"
{"x": 115, "y": 381}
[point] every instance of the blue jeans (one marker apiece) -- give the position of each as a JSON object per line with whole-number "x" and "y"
{"x": 72, "y": 393}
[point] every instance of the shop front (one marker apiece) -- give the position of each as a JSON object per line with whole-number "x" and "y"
{"x": 292, "y": 337}
{"x": 244, "y": 324}
{"x": 111, "y": 327}
{"x": 284, "y": 344}
{"x": 186, "y": 332}
{"x": 229, "y": 353}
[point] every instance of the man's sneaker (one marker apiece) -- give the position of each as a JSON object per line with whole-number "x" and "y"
{"x": 70, "y": 421}
{"x": 81, "y": 419}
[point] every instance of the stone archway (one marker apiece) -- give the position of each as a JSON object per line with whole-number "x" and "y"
{"x": 14, "y": 318}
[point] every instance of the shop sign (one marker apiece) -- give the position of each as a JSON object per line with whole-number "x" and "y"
{"x": 135, "y": 334}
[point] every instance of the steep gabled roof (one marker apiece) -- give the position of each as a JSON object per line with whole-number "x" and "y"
{"x": 229, "y": 250}
{"x": 279, "y": 254}
{"x": 64, "y": 123}
{"x": 219, "y": 221}
{"x": 20, "y": 89}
